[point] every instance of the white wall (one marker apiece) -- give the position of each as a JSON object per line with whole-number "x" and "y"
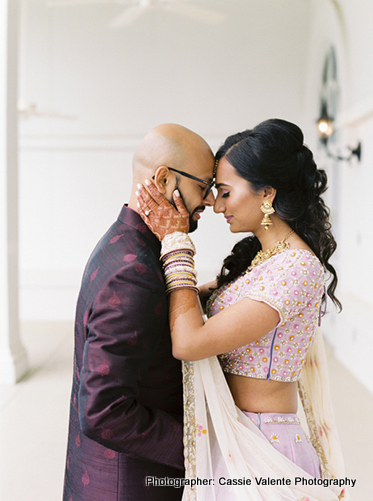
{"x": 75, "y": 173}
{"x": 348, "y": 28}
{"x": 264, "y": 61}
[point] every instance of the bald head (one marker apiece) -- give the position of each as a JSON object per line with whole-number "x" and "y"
{"x": 168, "y": 147}
{"x": 167, "y": 144}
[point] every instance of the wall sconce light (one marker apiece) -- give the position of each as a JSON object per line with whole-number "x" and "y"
{"x": 325, "y": 126}
{"x": 328, "y": 106}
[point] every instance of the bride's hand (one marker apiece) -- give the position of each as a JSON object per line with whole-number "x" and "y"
{"x": 159, "y": 215}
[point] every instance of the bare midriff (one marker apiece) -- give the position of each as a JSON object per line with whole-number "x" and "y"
{"x": 262, "y": 395}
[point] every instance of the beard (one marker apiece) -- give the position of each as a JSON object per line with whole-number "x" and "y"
{"x": 193, "y": 224}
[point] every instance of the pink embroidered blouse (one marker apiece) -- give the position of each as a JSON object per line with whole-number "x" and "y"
{"x": 292, "y": 282}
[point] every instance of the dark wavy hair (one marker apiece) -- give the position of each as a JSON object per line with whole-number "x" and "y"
{"x": 273, "y": 154}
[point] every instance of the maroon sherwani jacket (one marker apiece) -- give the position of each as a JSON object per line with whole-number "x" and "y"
{"x": 126, "y": 402}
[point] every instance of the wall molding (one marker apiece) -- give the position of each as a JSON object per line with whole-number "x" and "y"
{"x": 359, "y": 113}
{"x": 78, "y": 142}
{"x": 92, "y": 142}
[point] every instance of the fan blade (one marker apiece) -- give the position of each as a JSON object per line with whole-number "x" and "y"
{"x": 127, "y": 17}
{"x": 196, "y": 12}
{"x": 27, "y": 110}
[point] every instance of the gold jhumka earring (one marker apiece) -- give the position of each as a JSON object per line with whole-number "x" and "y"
{"x": 267, "y": 209}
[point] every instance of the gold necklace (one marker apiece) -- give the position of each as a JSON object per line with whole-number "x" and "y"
{"x": 262, "y": 256}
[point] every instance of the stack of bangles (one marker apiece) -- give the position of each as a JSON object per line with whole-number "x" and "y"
{"x": 178, "y": 263}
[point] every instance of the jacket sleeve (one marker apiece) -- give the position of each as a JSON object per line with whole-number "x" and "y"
{"x": 124, "y": 327}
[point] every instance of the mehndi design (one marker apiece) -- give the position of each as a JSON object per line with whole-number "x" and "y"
{"x": 159, "y": 214}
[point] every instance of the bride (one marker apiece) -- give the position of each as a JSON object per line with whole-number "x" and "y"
{"x": 244, "y": 366}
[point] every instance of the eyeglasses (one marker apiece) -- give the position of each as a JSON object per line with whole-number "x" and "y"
{"x": 209, "y": 184}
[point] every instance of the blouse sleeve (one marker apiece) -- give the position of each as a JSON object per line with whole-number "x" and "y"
{"x": 288, "y": 282}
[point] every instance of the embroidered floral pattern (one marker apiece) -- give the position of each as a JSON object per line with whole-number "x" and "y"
{"x": 275, "y": 438}
{"x": 314, "y": 431}
{"x": 201, "y": 430}
{"x": 190, "y": 428}
{"x": 293, "y": 284}
{"x": 281, "y": 419}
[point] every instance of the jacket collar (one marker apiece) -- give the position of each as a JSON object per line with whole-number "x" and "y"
{"x": 132, "y": 218}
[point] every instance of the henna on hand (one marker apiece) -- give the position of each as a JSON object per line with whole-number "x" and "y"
{"x": 178, "y": 305}
{"x": 159, "y": 214}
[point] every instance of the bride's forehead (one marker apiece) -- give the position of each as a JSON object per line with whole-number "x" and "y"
{"x": 225, "y": 171}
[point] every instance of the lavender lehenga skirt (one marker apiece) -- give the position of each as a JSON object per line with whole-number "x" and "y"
{"x": 285, "y": 433}
{"x": 227, "y": 456}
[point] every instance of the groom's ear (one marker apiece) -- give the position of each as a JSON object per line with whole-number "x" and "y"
{"x": 164, "y": 180}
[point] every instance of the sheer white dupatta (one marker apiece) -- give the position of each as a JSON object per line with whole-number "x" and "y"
{"x": 314, "y": 392}
{"x": 226, "y": 455}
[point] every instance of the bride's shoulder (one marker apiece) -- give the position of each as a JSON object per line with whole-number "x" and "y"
{"x": 287, "y": 261}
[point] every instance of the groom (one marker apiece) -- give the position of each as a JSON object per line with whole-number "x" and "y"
{"x": 126, "y": 401}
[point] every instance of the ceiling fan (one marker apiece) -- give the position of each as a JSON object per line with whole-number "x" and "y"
{"x": 136, "y": 8}
{"x": 27, "y": 110}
